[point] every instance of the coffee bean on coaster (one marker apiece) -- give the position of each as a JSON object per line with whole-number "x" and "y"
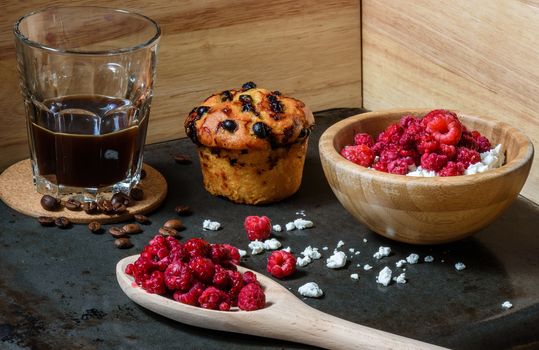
{"x": 174, "y": 223}
{"x": 120, "y": 198}
{"x": 123, "y": 243}
{"x": 141, "y": 219}
{"x": 167, "y": 231}
{"x": 183, "y": 159}
{"x": 132, "y": 229}
{"x": 143, "y": 174}
{"x": 117, "y": 232}
{"x": 136, "y": 194}
{"x": 105, "y": 206}
{"x": 50, "y": 203}
{"x": 118, "y": 208}
{"x": 45, "y": 221}
{"x": 183, "y": 210}
{"x": 90, "y": 208}
{"x": 94, "y": 227}
{"x": 62, "y": 222}
{"x": 72, "y": 204}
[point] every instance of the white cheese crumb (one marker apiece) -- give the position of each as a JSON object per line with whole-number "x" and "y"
{"x": 337, "y": 260}
{"x": 460, "y": 266}
{"x": 358, "y": 265}
{"x": 325, "y": 248}
{"x": 340, "y": 244}
{"x": 507, "y": 305}
{"x": 356, "y": 253}
{"x": 428, "y": 259}
{"x": 311, "y": 253}
{"x": 256, "y": 247}
{"x": 301, "y": 262}
{"x": 384, "y": 277}
{"x": 301, "y": 212}
{"x": 400, "y": 263}
{"x": 302, "y": 224}
{"x": 277, "y": 228}
{"x": 364, "y": 240}
{"x": 272, "y": 244}
{"x": 419, "y": 171}
{"x": 211, "y": 225}
{"x": 382, "y": 251}
{"x": 351, "y": 250}
{"x": 290, "y": 226}
{"x": 287, "y": 249}
{"x": 311, "y": 290}
{"x": 412, "y": 259}
{"x": 400, "y": 279}
{"x": 367, "y": 267}
{"x": 490, "y": 159}
{"x": 242, "y": 253}
{"x": 354, "y": 276}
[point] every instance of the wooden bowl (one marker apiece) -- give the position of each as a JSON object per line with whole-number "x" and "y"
{"x": 424, "y": 210}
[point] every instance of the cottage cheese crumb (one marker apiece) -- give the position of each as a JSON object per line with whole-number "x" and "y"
{"x": 507, "y": 305}
{"x": 412, "y": 259}
{"x": 460, "y": 266}
{"x": 428, "y": 259}
{"x": 351, "y": 250}
{"x": 382, "y": 252}
{"x": 302, "y": 262}
{"x": 354, "y": 276}
{"x": 256, "y": 247}
{"x": 301, "y": 212}
{"x": 358, "y": 265}
{"x": 211, "y": 225}
{"x": 400, "y": 263}
{"x": 290, "y": 226}
{"x": 367, "y": 267}
{"x": 277, "y": 228}
{"x": 302, "y": 224}
{"x": 340, "y": 244}
{"x": 384, "y": 277}
{"x": 337, "y": 260}
{"x": 311, "y": 290}
{"x": 272, "y": 244}
{"x": 356, "y": 253}
{"x": 287, "y": 249}
{"x": 364, "y": 240}
{"x": 325, "y": 248}
{"x": 311, "y": 252}
{"x": 400, "y": 279}
{"x": 242, "y": 253}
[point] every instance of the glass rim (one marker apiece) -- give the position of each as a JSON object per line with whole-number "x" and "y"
{"x": 24, "y": 39}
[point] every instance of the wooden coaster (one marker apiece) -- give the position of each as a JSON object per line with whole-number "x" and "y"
{"x": 18, "y": 191}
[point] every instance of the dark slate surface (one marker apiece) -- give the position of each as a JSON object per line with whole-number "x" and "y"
{"x": 58, "y": 288}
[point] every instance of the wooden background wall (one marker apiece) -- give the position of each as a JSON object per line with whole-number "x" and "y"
{"x": 308, "y": 49}
{"x": 477, "y": 56}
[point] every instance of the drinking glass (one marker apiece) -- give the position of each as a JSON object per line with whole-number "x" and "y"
{"x": 86, "y": 76}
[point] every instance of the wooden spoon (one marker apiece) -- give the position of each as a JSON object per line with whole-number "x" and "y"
{"x": 284, "y": 317}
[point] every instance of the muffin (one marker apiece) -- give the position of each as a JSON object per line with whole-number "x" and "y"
{"x": 251, "y": 142}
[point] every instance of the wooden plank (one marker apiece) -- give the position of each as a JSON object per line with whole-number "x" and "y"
{"x": 475, "y": 56}
{"x": 310, "y": 50}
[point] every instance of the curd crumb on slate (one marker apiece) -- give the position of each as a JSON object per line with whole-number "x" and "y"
{"x": 277, "y": 228}
{"x": 400, "y": 263}
{"x": 311, "y": 290}
{"x": 242, "y": 253}
{"x": 507, "y": 305}
{"x": 460, "y": 266}
{"x": 382, "y": 252}
{"x": 337, "y": 260}
{"x": 428, "y": 259}
{"x": 367, "y": 267}
{"x": 351, "y": 250}
{"x": 256, "y": 247}
{"x": 290, "y": 226}
{"x": 288, "y": 249}
{"x": 354, "y": 276}
{"x": 272, "y": 244}
{"x": 384, "y": 277}
{"x": 211, "y": 225}
{"x": 325, "y": 248}
{"x": 364, "y": 240}
{"x": 400, "y": 279}
{"x": 412, "y": 259}
{"x": 302, "y": 224}
{"x": 340, "y": 244}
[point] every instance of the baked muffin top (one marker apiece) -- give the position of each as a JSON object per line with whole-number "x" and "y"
{"x": 249, "y": 118}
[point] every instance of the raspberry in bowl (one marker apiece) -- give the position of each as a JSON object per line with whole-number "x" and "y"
{"x": 416, "y": 209}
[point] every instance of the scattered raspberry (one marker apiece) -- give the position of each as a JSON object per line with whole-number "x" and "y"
{"x": 363, "y": 139}
{"x": 433, "y": 161}
{"x": 212, "y": 298}
{"x": 467, "y": 156}
{"x": 251, "y": 297}
{"x": 203, "y": 268}
{"x": 360, "y": 154}
{"x": 257, "y": 227}
{"x": 197, "y": 247}
{"x": 452, "y": 169}
{"x": 281, "y": 264}
{"x": 178, "y": 276}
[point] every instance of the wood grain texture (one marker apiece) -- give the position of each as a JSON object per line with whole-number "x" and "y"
{"x": 424, "y": 210}
{"x": 309, "y": 50}
{"x": 284, "y": 317}
{"x": 475, "y": 56}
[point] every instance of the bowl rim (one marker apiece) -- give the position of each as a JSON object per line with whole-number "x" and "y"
{"x": 327, "y": 149}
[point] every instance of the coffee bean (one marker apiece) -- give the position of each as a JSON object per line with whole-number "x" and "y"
{"x": 174, "y": 223}
{"x": 136, "y": 194}
{"x": 183, "y": 159}
{"x": 49, "y": 203}
{"x": 123, "y": 243}
{"x": 167, "y": 231}
{"x": 116, "y": 232}
{"x": 132, "y": 229}
{"x": 143, "y": 174}
{"x": 183, "y": 210}
{"x": 94, "y": 227}
{"x": 118, "y": 208}
{"x": 90, "y": 207}
{"x": 72, "y": 204}
{"x": 141, "y": 219}
{"x": 105, "y": 206}
{"x": 62, "y": 222}
{"x": 45, "y": 221}
{"x": 120, "y": 198}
